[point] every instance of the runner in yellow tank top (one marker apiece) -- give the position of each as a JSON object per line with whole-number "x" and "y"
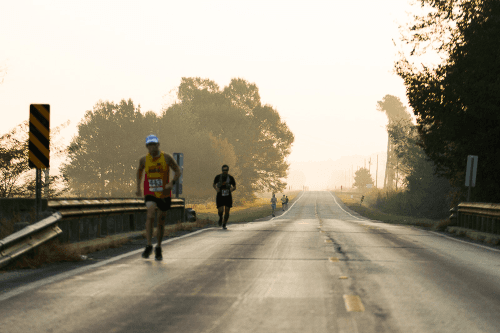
{"x": 157, "y": 190}
{"x": 157, "y": 174}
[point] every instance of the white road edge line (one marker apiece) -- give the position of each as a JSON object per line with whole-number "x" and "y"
{"x": 344, "y": 209}
{"x": 433, "y": 232}
{"x": 73, "y": 272}
{"x": 459, "y": 240}
{"x": 288, "y": 209}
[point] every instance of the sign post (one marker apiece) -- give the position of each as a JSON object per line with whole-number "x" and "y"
{"x": 39, "y": 142}
{"x": 470, "y": 173}
{"x": 179, "y": 158}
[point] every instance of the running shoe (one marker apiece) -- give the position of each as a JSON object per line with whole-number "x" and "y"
{"x": 224, "y": 226}
{"x": 158, "y": 255}
{"x": 147, "y": 251}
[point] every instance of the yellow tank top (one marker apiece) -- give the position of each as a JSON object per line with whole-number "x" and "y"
{"x": 157, "y": 176}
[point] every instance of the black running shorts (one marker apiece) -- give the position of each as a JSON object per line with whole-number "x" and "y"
{"x": 226, "y": 201}
{"x": 163, "y": 204}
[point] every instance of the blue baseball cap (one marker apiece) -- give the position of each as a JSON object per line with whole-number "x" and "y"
{"x": 152, "y": 139}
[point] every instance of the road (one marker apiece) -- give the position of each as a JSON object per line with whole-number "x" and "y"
{"x": 316, "y": 268}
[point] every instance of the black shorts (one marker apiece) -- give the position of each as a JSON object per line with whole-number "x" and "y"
{"x": 226, "y": 201}
{"x": 163, "y": 204}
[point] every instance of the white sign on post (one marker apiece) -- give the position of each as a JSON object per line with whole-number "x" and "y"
{"x": 471, "y": 172}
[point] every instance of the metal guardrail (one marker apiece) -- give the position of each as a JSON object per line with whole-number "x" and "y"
{"x": 29, "y": 238}
{"x": 77, "y": 219}
{"x": 69, "y": 207}
{"x": 484, "y": 217}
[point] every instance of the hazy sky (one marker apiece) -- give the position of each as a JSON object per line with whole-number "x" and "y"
{"x": 322, "y": 64}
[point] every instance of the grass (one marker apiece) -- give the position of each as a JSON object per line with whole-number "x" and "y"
{"x": 374, "y": 214}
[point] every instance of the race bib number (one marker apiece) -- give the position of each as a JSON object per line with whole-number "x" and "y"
{"x": 155, "y": 185}
{"x": 225, "y": 193}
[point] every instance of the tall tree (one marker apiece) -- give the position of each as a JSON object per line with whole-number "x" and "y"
{"x": 396, "y": 114}
{"x": 256, "y": 138}
{"x": 457, "y": 101}
{"x": 426, "y": 194}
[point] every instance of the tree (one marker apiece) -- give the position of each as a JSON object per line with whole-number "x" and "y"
{"x": 209, "y": 126}
{"x": 17, "y": 179}
{"x": 457, "y": 101}
{"x": 396, "y": 114}
{"x": 103, "y": 158}
{"x": 426, "y": 194}
{"x": 14, "y": 160}
{"x": 362, "y": 178}
{"x": 259, "y": 139}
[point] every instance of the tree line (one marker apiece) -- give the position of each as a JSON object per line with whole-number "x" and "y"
{"x": 412, "y": 185}
{"x": 457, "y": 102}
{"x": 209, "y": 125}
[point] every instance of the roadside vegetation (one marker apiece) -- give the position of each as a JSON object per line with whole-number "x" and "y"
{"x": 353, "y": 201}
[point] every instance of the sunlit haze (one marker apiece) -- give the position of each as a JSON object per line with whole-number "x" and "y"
{"x": 322, "y": 64}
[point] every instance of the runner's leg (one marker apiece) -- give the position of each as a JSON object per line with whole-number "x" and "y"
{"x": 221, "y": 211}
{"x": 226, "y": 215}
{"x": 161, "y": 228}
{"x": 150, "y": 219}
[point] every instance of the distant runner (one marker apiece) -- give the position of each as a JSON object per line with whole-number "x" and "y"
{"x": 286, "y": 202}
{"x": 224, "y": 184}
{"x": 273, "y": 203}
{"x": 283, "y": 202}
{"x": 157, "y": 190}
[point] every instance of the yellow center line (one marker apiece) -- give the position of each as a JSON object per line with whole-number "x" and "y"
{"x": 353, "y": 303}
{"x": 333, "y": 259}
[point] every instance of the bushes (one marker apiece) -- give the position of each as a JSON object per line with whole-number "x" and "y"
{"x": 416, "y": 204}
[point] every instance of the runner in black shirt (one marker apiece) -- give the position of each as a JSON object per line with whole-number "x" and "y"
{"x": 224, "y": 184}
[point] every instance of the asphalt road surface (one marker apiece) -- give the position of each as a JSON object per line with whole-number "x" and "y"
{"x": 316, "y": 268}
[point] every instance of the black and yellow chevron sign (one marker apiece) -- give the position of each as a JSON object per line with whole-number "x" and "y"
{"x": 39, "y": 136}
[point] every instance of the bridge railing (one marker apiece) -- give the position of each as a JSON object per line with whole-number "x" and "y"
{"x": 484, "y": 217}
{"x": 75, "y": 220}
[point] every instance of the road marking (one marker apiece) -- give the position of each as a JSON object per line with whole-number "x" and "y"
{"x": 458, "y": 240}
{"x": 343, "y": 277}
{"x": 328, "y": 240}
{"x": 334, "y": 259}
{"x": 353, "y": 303}
{"x": 82, "y": 270}
{"x": 288, "y": 209}
{"x": 343, "y": 208}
